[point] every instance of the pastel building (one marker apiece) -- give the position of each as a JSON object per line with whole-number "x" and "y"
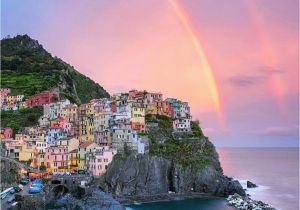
{"x": 160, "y": 108}
{"x": 55, "y": 134}
{"x": 55, "y": 110}
{"x": 103, "y": 138}
{"x": 137, "y": 119}
{"x": 70, "y": 113}
{"x": 152, "y": 96}
{"x": 101, "y": 120}
{"x": 98, "y": 160}
{"x": 84, "y": 149}
{"x": 182, "y": 124}
{"x": 6, "y": 133}
{"x": 56, "y": 158}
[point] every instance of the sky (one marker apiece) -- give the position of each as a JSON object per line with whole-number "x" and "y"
{"x": 235, "y": 62}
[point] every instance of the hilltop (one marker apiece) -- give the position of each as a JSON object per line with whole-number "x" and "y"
{"x": 28, "y": 68}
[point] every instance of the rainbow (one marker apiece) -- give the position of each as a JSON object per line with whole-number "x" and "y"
{"x": 269, "y": 55}
{"x": 205, "y": 65}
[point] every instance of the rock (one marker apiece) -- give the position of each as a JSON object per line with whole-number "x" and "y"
{"x": 245, "y": 202}
{"x": 251, "y": 184}
{"x": 97, "y": 200}
{"x": 145, "y": 175}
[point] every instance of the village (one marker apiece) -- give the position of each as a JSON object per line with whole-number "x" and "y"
{"x": 69, "y": 137}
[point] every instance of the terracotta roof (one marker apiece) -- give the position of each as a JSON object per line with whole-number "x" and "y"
{"x": 85, "y": 144}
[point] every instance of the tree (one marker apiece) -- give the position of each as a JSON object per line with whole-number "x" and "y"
{"x": 43, "y": 168}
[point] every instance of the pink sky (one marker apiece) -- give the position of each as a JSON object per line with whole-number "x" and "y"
{"x": 251, "y": 49}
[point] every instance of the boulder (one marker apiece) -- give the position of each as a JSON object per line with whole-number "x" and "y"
{"x": 251, "y": 184}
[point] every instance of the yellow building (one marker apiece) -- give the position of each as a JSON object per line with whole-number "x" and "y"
{"x": 70, "y": 113}
{"x": 27, "y": 151}
{"x": 86, "y": 118}
{"x": 84, "y": 149}
{"x": 73, "y": 159}
{"x": 137, "y": 119}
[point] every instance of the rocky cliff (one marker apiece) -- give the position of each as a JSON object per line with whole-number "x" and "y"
{"x": 184, "y": 163}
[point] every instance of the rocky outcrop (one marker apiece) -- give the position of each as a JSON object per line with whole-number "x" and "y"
{"x": 245, "y": 202}
{"x": 146, "y": 175}
{"x": 251, "y": 184}
{"x": 94, "y": 199}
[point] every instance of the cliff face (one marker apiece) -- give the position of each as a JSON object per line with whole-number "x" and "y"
{"x": 26, "y": 67}
{"x": 181, "y": 163}
{"x": 145, "y": 175}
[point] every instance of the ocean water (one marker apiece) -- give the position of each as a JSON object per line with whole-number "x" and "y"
{"x": 188, "y": 204}
{"x": 276, "y": 171}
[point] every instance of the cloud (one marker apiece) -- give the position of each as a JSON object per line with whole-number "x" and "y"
{"x": 261, "y": 75}
{"x": 245, "y": 81}
{"x": 278, "y": 131}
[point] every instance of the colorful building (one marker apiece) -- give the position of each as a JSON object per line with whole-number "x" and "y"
{"x": 84, "y": 149}
{"x": 6, "y": 133}
{"x": 41, "y": 98}
{"x": 98, "y": 160}
{"x": 182, "y": 124}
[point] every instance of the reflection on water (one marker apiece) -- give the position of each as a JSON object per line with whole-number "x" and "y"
{"x": 276, "y": 171}
{"x": 180, "y": 204}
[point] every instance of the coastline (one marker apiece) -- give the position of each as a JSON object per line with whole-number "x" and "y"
{"x": 129, "y": 200}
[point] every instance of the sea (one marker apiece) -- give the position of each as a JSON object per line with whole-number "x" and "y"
{"x": 274, "y": 170}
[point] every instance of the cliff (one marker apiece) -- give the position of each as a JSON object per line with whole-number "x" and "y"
{"x": 180, "y": 163}
{"x": 27, "y": 68}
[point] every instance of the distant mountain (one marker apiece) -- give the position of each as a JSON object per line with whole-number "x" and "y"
{"x": 27, "y": 68}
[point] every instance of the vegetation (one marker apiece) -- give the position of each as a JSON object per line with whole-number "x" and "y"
{"x": 22, "y": 118}
{"x": 195, "y": 152}
{"x": 27, "y": 68}
{"x": 43, "y": 168}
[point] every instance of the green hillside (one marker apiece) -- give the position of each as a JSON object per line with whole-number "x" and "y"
{"x": 27, "y": 68}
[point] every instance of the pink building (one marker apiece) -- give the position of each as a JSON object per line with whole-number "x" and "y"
{"x": 56, "y": 158}
{"x": 6, "y": 133}
{"x": 41, "y": 98}
{"x": 4, "y": 91}
{"x": 103, "y": 138}
{"x": 98, "y": 161}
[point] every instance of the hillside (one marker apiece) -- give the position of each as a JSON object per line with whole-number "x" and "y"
{"x": 27, "y": 68}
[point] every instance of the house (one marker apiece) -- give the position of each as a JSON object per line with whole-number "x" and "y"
{"x": 86, "y": 122}
{"x": 56, "y": 158}
{"x": 70, "y": 142}
{"x": 73, "y": 159}
{"x": 137, "y": 119}
{"x": 101, "y": 120}
{"x": 27, "y": 151}
{"x": 152, "y": 96}
{"x": 57, "y": 155}
{"x": 4, "y": 91}
{"x": 70, "y": 113}
{"x": 13, "y": 148}
{"x": 160, "y": 108}
{"x": 6, "y": 133}
{"x": 41, "y": 98}
{"x": 182, "y": 124}
{"x": 103, "y": 138}
{"x": 98, "y": 160}
{"x": 54, "y": 134}
{"x": 55, "y": 110}
{"x": 84, "y": 149}
{"x": 44, "y": 121}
